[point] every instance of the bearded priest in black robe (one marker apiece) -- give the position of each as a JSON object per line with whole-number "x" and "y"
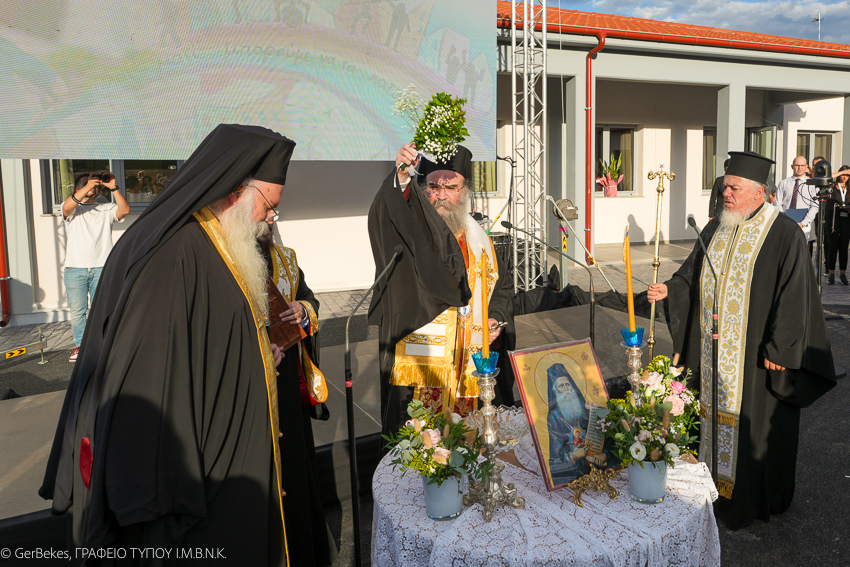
{"x": 168, "y": 437}
{"x": 774, "y": 356}
{"x": 299, "y": 378}
{"x": 429, "y": 306}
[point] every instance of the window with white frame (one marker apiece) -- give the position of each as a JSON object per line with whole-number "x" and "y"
{"x": 815, "y": 144}
{"x": 140, "y": 181}
{"x": 616, "y": 143}
{"x": 483, "y": 178}
{"x": 709, "y": 158}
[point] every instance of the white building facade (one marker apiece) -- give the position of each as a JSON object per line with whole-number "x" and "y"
{"x": 654, "y": 102}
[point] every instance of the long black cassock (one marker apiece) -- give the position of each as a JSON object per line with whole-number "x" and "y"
{"x": 429, "y": 277}
{"x": 168, "y": 434}
{"x": 784, "y": 322}
{"x": 307, "y": 530}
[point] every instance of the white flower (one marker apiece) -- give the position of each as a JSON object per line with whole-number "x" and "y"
{"x": 654, "y": 390}
{"x": 675, "y": 371}
{"x": 456, "y": 418}
{"x": 672, "y": 449}
{"x": 638, "y": 451}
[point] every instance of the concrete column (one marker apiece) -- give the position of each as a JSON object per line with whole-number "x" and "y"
{"x": 845, "y": 133}
{"x": 566, "y": 146}
{"x": 731, "y": 126}
{"x": 17, "y": 213}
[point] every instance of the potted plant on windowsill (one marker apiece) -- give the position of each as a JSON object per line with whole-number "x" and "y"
{"x": 651, "y": 428}
{"x": 610, "y": 176}
{"x": 441, "y": 450}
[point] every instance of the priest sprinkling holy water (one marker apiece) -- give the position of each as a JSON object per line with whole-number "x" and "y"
{"x": 774, "y": 356}
{"x": 429, "y": 307}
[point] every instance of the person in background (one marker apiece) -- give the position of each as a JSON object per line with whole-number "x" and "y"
{"x": 770, "y": 192}
{"x": 792, "y": 193}
{"x": 305, "y": 517}
{"x": 715, "y": 203}
{"x": 837, "y": 227}
{"x": 88, "y": 217}
{"x": 132, "y": 184}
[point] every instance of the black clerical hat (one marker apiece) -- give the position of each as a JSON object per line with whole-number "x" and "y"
{"x": 461, "y": 163}
{"x": 276, "y": 162}
{"x": 749, "y": 165}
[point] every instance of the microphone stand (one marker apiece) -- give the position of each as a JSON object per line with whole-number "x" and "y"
{"x": 586, "y": 251}
{"x": 823, "y": 194}
{"x": 349, "y": 409}
{"x": 714, "y": 338}
{"x": 509, "y": 226}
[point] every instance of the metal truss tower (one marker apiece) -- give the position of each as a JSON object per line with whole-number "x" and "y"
{"x": 529, "y": 121}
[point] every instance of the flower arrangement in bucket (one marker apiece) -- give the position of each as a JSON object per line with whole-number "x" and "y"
{"x": 441, "y": 450}
{"x": 610, "y": 176}
{"x": 651, "y": 428}
{"x": 438, "y": 126}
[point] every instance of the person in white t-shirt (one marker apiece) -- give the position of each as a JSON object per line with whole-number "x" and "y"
{"x": 88, "y": 227}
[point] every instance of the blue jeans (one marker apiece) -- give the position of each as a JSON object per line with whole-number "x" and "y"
{"x": 80, "y": 283}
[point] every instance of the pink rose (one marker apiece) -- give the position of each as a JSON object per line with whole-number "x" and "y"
{"x": 652, "y": 379}
{"x": 677, "y": 387}
{"x": 435, "y": 436}
{"x": 441, "y": 455}
{"x": 678, "y": 404}
{"x": 643, "y": 436}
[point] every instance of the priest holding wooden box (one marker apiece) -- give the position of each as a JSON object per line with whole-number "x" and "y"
{"x": 774, "y": 356}
{"x": 431, "y": 307}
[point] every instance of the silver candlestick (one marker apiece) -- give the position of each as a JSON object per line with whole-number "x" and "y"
{"x": 634, "y": 354}
{"x": 492, "y": 490}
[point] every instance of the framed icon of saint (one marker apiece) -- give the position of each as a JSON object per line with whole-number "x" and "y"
{"x": 562, "y": 388}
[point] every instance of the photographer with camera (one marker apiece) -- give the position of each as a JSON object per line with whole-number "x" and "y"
{"x": 88, "y": 216}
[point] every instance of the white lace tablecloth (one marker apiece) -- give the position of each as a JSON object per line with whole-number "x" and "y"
{"x": 551, "y": 531}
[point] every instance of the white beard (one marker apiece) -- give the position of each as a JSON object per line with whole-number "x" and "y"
{"x": 570, "y": 406}
{"x": 731, "y": 219}
{"x": 240, "y": 235}
{"x": 455, "y": 215}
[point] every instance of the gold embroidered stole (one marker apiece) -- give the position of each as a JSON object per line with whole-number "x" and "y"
{"x": 211, "y": 226}
{"x": 285, "y": 277}
{"x": 438, "y": 355}
{"x": 733, "y": 252}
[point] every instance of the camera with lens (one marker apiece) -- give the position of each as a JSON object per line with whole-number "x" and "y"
{"x": 102, "y": 177}
{"x": 821, "y": 175}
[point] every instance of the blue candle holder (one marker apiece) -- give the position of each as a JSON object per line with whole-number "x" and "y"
{"x": 485, "y": 366}
{"x": 633, "y": 339}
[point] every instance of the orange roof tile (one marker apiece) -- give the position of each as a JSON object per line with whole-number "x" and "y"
{"x": 588, "y": 23}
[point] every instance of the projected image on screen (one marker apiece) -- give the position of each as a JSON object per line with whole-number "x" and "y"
{"x": 148, "y": 79}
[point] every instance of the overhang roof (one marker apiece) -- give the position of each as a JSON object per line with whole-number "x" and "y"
{"x": 589, "y": 23}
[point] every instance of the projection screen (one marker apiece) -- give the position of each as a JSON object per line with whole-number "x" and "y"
{"x": 148, "y": 79}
